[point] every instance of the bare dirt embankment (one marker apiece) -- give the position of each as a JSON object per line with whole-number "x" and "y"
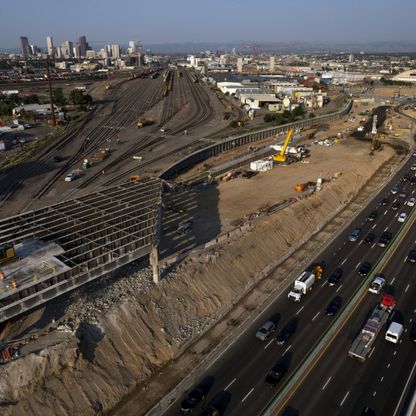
{"x": 129, "y": 328}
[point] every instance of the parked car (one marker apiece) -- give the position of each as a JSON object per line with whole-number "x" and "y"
{"x": 265, "y": 330}
{"x": 402, "y": 217}
{"x": 365, "y": 269}
{"x": 70, "y": 177}
{"x": 335, "y": 277}
{"x": 333, "y": 306}
{"x": 355, "y": 234}
{"x": 287, "y": 331}
{"x": 275, "y": 374}
{"x": 369, "y": 239}
{"x": 411, "y": 257}
{"x": 192, "y": 400}
{"x": 385, "y": 239}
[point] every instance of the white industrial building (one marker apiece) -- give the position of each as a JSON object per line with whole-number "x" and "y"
{"x": 230, "y": 87}
{"x": 407, "y": 76}
{"x": 255, "y": 101}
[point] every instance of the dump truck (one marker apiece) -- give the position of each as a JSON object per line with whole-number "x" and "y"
{"x": 361, "y": 347}
{"x": 303, "y": 284}
{"x": 141, "y": 122}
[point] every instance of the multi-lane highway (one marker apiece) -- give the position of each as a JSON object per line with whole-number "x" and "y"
{"x": 337, "y": 383}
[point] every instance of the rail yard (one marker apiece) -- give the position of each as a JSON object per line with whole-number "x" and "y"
{"x": 145, "y": 244}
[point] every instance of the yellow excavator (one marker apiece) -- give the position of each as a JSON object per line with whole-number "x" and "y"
{"x": 7, "y": 253}
{"x": 281, "y": 157}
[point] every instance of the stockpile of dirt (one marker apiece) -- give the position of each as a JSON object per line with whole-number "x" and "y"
{"x": 127, "y": 330}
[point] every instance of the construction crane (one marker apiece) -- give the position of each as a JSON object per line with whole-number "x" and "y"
{"x": 281, "y": 157}
{"x": 254, "y": 48}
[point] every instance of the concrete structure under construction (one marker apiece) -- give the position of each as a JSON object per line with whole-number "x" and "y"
{"x": 61, "y": 247}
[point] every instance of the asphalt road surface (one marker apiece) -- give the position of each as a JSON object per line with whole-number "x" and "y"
{"x": 239, "y": 372}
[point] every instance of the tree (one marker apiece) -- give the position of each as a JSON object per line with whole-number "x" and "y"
{"x": 77, "y": 97}
{"x": 58, "y": 97}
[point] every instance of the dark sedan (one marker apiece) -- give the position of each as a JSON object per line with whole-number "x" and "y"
{"x": 192, "y": 400}
{"x": 287, "y": 331}
{"x": 365, "y": 269}
{"x": 275, "y": 375}
{"x": 333, "y": 306}
{"x": 335, "y": 277}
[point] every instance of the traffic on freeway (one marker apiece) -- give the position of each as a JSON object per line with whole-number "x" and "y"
{"x": 248, "y": 375}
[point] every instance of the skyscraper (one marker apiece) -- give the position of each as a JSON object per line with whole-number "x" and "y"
{"x": 25, "y": 46}
{"x": 67, "y": 49}
{"x": 83, "y": 45}
{"x": 115, "y": 51}
{"x": 49, "y": 44}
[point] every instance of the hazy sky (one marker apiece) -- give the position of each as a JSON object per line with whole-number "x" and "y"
{"x": 168, "y": 21}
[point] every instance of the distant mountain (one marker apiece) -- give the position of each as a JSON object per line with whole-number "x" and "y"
{"x": 286, "y": 47}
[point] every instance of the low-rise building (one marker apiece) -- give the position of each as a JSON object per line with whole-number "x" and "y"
{"x": 39, "y": 109}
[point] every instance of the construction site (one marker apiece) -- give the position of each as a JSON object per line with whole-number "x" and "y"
{"x": 109, "y": 297}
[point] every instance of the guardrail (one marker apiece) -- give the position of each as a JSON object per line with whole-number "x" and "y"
{"x": 237, "y": 141}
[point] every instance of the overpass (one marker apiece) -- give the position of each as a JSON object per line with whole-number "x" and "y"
{"x": 66, "y": 245}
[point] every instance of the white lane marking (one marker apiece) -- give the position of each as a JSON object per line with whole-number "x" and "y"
{"x": 405, "y": 331}
{"x": 373, "y": 245}
{"x": 371, "y": 352}
{"x": 315, "y": 316}
{"x": 357, "y": 265}
{"x": 395, "y": 352}
{"x": 392, "y": 280}
{"x": 405, "y": 259}
{"x": 381, "y": 380}
{"x": 374, "y": 394}
{"x": 343, "y": 261}
{"x": 386, "y": 228}
{"x": 287, "y": 349}
{"x": 407, "y": 288}
{"x": 388, "y": 365}
{"x": 323, "y": 388}
{"x": 268, "y": 344}
{"x": 324, "y": 283}
{"x": 394, "y": 200}
{"x": 339, "y": 287}
{"x": 300, "y": 310}
{"x": 396, "y": 215}
{"x": 230, "y": 384}
{"x": 404, "y": 390}
{"x": 385, "y": 212}
{"x": 345, "y": 398}
{"x": 248, "y": 394}
{"x": 374, "y": 226}
{"x": 334, "y": 254}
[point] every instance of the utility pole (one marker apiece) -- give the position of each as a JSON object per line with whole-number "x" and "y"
{"x": 50, "y": 92}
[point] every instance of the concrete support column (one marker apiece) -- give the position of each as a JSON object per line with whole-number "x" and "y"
{"x": 154, "y": 261}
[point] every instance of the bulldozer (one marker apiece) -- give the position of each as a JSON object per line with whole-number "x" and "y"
{"x": 281, "y": 157}
{"x": 7, "y": 253}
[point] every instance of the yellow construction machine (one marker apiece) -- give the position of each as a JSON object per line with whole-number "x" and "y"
{"x": 281, "y": 157}
{"x": 7, "y": 253}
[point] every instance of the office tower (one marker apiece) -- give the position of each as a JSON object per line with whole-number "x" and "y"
{"x": 58, "y": 52}
{"x": 34, "y": 50}
{"x": 25, "y": 46}
{"x": 240, "y": 64}
{"x": 76, "y": 51}
{"x": 115, "y": 51}
{"x": 108, "y": 51}
{"x": 49, "y": 44}
{"x": 67, "y": 49}
{"x": 272, "y": 64}
{"x": 83, "y": 45}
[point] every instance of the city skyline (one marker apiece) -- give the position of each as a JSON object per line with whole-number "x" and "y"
{"x": 178, "y": 22}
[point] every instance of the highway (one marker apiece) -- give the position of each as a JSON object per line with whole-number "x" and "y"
{"x": 240, "y": 371}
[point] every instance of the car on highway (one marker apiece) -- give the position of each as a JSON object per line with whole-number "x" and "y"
{"x": 365, "y": 269}
{"x": 402, "y": 194}
{"x": 385, "y": 239}
{"x": 413, "y": 167}
{"x": 372, "y": 215}
{"x": 395, "y": 205}
{"x": 265, "y": 330}
{"x": 411, "y": 202}
{"x": 192, "y": 400}
{"x": 411, "y": 257}
{"x": 394, "y": 190}
{"x": 385, "y": 200}
{"x": 287, "y": 331}
{"x": 412, "y": 333}
{"x": 335, "y": 277}
{"x": 70, "y": 177}
{"x": 402, "y": 217}
{"x": 210, "y": 411}
{"x": 405, "y": 177}
{"x": 412, "y": 180}
{"x": 275, "y": 375}
{"x": 355, "y": 234}
{"x": 333, "y": 306}
{"x": 369, "y": 239}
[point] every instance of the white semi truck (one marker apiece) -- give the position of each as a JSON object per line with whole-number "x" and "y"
{"x": 303, "y": 284}
{"x": 361, "y": 346}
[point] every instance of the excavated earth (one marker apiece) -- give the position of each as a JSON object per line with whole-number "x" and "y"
{"x": 115, "y": 335}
